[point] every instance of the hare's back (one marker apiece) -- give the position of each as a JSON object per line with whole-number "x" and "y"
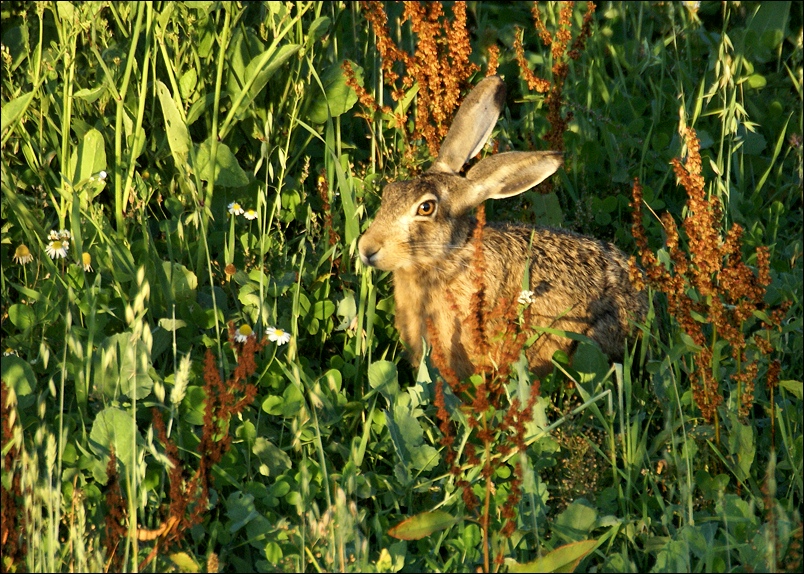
{"x": 578, "y": 283}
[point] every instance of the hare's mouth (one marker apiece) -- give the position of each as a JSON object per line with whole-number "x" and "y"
{"x": 372, "y": 259}
{"x": 377, "y": 257}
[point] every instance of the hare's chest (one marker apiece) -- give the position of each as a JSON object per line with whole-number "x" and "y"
{"x": 436, "y": 315}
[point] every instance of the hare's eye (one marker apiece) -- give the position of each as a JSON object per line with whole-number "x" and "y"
{"x": 426, "y": 208}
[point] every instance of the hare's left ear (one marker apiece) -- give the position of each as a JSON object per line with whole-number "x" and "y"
{"x": 472, "y": 125}
{"x": 504, "y": 175}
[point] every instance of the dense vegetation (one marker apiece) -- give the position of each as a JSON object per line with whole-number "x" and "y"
{"x": 199, "y": 374}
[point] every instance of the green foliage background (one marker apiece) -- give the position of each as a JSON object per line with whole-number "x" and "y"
{"x": 189, "y": 107}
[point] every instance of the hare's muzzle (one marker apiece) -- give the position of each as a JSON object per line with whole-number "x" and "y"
{"x": 369, "y": 252}
{"x": 373, "y": 250}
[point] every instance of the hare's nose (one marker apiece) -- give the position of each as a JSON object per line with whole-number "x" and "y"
{"x": 369, "y": 251}
{"x": 368, "y": 255}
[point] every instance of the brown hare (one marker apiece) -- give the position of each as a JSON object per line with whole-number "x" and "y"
{"x": 423, "y": 231}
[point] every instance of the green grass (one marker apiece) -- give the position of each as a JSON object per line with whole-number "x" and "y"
{"x": 189, "y": 107}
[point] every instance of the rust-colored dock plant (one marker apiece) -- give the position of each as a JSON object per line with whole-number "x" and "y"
{"x": 561, "y": 52}
{"x": 12, "y": 517}
{"x": 439, "y": 66}
{"x": 711, "y": 291}
{"x": 497, "y": 424}
{"x": 189, "y": 491}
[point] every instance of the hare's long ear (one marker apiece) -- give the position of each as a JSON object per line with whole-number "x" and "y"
{"x": 472, "y": 125}
{"x": 504, "y": 175}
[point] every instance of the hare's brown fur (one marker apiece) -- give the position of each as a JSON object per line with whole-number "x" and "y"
{"x": 423, "y": 231}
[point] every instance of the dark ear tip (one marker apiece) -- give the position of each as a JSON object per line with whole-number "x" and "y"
{"x": 555, "y": 154}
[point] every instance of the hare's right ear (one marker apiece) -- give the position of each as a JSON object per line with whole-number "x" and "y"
{"x": 504, "y": 175}
{"x": 472, "y": 125}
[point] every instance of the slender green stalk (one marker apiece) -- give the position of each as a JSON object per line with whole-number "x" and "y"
{"x": 121, "y": 191}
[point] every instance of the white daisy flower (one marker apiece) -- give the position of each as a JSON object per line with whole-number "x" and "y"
{"x": 278, "y": 336}
{"x": 22, "y": 254}
{"x": 65, "y": 235}
{"x": 243, "y": 333}
{"x": 250, "y": 214}
{"x": 86, "y": 259}
{"x": 9, "y": 351}
{"x": 525, "y": 297}
{"x": 235, "y": 208}
{"x": 57, "y": 248}
{"x": 53, "y": 235}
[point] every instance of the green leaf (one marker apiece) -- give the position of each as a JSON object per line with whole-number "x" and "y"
{"x": 576, "y": 521}
{"x": 121, "y": 367}
{"x": 19, "y": 375}
{"x": 183, "y": 282}
{"x": 273, "y": 405}
{"x": 193, "y": 405}
{"x": 590, "y": 361}
{"x": 66, "y": 12}
{"x": 741, "y": 446}
{"x": 757, "y": 81}
{"x": 227, "y": 170}
{"x": 171, "y": 324}
{"x": 240, "y": 510}
{"x": 89, "y": 157}
{"x": 187, "y": 83}
{"x": 323, "y": 309}
{"x": 23, "y": 317}
{"x": 89, "y": 95}
{"x": 795, "y": 387}
{"x": 318, "y": 29}
{"x": 13, "y": 110}
{"x": 177, "y": 134}
{"x": 257, "y": 74}
{"x": 424, "y": 524}
{"x": 261, "y": 68}
{"x": 547, "y": 209}
{"x": 288, "y": 405}
{"x": 280, "y": 488}
{"x": 769, "y": 22}
{"x": 334, "y": 379}
{"x": 347, "y": 311}
{"x": 292, "y": 401}
{"x": 115, "y": 428}
{"x": 382, "y": 376}
{"x": 135, "y": 360}
{"x": 248, "y": 432}
{"x": 563, "y": 559}
{"x": 202, "y": 6}
{"x": 338, "y": 98}
{"x": 711, "y": 487}
{"x": 273, "y": 552}
{"x": 273, "y": 460}
{"x": 408, "y": 438}
{"x": 673, "y": 557}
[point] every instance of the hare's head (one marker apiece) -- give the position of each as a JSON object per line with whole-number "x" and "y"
{"x": 422, "y": 221}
